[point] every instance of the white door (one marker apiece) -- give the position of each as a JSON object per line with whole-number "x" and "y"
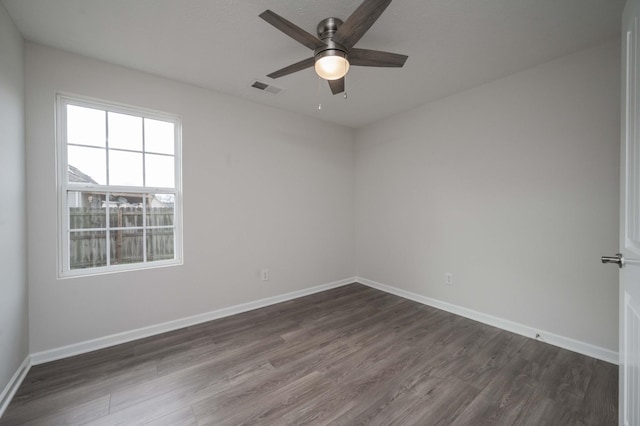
{"x": 630, "y": 221}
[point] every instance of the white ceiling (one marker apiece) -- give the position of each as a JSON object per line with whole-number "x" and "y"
{"x": 223, "y": 45}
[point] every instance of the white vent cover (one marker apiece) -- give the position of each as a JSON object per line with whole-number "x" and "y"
{"x": 257, "y": 84}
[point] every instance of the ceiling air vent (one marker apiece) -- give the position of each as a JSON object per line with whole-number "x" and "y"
{"x": 266, "y": 87}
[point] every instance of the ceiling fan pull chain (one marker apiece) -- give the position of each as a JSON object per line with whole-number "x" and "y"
{"x": 344, "y": 84}
{"x": 318, "y": 93}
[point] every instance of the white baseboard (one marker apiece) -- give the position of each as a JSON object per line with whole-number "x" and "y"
{"x": 10, "y": 390}
{"x": 514, "y": 327}
{"x": 127, "y": 336}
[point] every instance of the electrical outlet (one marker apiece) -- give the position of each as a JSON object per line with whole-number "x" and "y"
{"x": 448, "y": 278}
{"x": 264, "y": 274}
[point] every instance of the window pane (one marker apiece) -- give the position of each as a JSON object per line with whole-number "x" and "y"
{"x": 160, "y": 209}
{"x": 86, "y": 210}
{"x": 125, "y": 168}
{"x": 86, "y": 165}
{"x": 160, "y": 244}
{"x": 125, "y": 215}
{"x": 158, "y": 136}
{"x": 159, "y": 171}
{"x": 126, "y": 246}
{"x": 125, "y": 131}
{"x": 87, "y": 249}
{"x": 85, "y": 126}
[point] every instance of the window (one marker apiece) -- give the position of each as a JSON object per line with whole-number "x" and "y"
{"x": 119, "y": 187}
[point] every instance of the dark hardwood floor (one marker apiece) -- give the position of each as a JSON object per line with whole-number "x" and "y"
{"x": 348, "y": 356}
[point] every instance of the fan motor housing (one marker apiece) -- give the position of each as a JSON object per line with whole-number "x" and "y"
{"x": 326, "y": 29}
{"x": 331, "y": 48}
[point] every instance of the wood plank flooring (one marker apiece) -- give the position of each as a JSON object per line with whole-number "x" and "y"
{"x": 348, "y": 356}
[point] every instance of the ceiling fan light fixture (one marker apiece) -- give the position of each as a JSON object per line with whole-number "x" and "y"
{"x": 333, "y": 47}
{"x": 331, "y": 64}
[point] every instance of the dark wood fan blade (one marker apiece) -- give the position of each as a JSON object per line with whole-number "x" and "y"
{"x": 337, "y": 86}
{"x": 292, "y": 30}
{"x": 359, "y": 22}
{"x": 298, "y": 66}
{"x": 375, "y": 58}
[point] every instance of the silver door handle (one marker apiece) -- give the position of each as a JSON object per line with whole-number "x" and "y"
{"x": 617, "y": 259}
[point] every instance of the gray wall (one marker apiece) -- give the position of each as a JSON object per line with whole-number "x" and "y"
{"x": 14, "y": 327}
{"x": 512, "y": 187}
{"x": 263, "y": 188}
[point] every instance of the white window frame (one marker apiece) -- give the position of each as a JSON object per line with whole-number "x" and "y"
{"x": 63, "y": 186}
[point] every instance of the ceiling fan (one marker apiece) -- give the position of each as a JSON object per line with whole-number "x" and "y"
{"x": 333, "y": 51}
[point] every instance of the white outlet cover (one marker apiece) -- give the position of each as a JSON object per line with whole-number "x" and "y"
{"x": 448, "y": 278}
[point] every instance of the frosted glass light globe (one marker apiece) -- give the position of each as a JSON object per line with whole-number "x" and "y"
{"x": 332, "y": 67}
